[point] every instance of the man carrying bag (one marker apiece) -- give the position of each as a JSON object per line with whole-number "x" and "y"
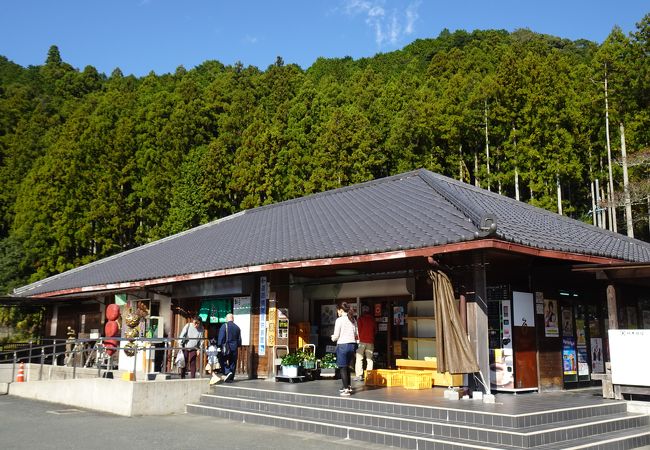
{"x": 229, "y": 341}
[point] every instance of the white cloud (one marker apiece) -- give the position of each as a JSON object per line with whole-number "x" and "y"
{"x": 250, "y": 39}
{"x": 388, "y": 27}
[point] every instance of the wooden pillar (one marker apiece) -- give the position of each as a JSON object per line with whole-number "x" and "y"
{"x": 612, "y": 307}
{"x": 477, "y": 322}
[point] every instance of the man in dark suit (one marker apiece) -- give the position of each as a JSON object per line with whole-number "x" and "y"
{"x": 229, "y": 341}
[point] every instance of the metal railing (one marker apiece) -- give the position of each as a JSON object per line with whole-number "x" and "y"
{"x": 94, "y": 353}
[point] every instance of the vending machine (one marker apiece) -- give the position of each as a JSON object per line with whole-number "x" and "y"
{"x": 512, "y": 340}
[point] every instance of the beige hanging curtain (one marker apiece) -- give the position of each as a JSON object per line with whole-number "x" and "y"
{"x": 454, "y": 353}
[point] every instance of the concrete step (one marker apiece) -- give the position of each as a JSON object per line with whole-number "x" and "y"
{"x": 421, "y": 427}
{"x": 458, "y": 411}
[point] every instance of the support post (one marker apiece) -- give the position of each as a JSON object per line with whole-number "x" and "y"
{"x": 612, "y": 313}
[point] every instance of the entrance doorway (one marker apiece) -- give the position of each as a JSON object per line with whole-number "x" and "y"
{"x": 389, "y": 314}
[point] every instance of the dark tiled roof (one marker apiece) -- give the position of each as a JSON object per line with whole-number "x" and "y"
{"x": 412, "y": 210}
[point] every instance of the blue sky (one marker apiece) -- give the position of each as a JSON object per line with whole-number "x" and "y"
{"x": 139, "y": 36}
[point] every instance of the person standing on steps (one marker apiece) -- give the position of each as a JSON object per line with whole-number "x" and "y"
{"x": 229, "y": 341}
{"x": 367, "y": 327}
{"x": 346, "y": 336}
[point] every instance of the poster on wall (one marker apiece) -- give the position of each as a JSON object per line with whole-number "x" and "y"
{"x": 327, "y": 314}
{"x": 398, "y": 315}
{"x": 569, "y": 362}
{"x": 594, "y": 328}
{"x": 597, "y": 365}
{"x": 523, "y": 309}
{"x": 580, "y": 330}
{"x": 242, "y": 312}
{"x": 583, "y": 362}
{"x": 567, "y": 322}
{"x": 550, "y": 318}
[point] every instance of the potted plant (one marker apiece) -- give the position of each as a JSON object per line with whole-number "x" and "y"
{"x": 290, "y": 363}
{"x": 328, "y": 365}
{"x": 308, "y": 360}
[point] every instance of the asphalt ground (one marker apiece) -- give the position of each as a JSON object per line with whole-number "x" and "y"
{"x": 35, "y": 425}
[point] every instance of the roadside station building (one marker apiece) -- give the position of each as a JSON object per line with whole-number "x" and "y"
{"x": 531, "y": 285}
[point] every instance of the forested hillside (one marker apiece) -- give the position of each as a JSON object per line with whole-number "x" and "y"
{"x": 92, "y": 164}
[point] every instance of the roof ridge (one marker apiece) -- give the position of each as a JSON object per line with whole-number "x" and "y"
{"x": 331, "y": 192}
{"x": 485, "y": 221}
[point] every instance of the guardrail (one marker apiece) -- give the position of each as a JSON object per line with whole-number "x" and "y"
{"x": 93, "y": 353}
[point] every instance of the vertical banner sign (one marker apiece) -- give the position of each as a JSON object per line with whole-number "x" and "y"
{"x": 263, "y": 297}
{"x": 272, "y": 331}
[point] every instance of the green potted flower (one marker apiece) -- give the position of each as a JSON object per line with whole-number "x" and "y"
{"x": 290, "y": 363}
{"x": 308, "y": 360}
{"x": 328, "y": 365}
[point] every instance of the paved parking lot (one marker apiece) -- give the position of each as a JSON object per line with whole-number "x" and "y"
{"x": 29, "y": 424}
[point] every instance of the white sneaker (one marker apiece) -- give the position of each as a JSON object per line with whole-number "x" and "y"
{"x": 357, "y": 379}
{"x": 345, "y": 393}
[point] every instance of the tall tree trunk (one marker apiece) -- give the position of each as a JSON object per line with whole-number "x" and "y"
{"x": 594, "y": 188}
{"x": 594, "y": 213}
{"x": 477, "y": 183}
{"x": 487, "y": 148}
{"x": 559, "y": 193}
{"x": 460, "y": 162}
{"x": 516, "y": 165}
{"x": 611, "y": 205}
{"x": 626, "y": 185}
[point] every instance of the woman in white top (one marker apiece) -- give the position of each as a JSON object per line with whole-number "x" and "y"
{"x": 346, "y": 336}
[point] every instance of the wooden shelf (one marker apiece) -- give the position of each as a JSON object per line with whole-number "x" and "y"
{"x": 421, "y": 329}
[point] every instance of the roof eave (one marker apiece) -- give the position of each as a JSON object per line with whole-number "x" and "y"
{"x": 343, "y": 260}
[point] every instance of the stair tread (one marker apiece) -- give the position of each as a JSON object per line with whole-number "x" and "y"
{"x": 507, "y": 415}
{"x": 521, "y": 430}
{"x": 456, "y": 441}
{"x": 597, "y": 439}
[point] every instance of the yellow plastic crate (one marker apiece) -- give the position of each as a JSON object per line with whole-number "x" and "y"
{"x": 415, "y": 379}
{"x": 374, "y": 378}
{"x": 393, "y": 377}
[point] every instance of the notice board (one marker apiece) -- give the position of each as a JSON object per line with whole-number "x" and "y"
{"x": 628, "y": 351}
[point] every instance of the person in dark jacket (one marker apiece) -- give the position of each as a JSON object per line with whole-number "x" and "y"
{"x": 229, "y": 341}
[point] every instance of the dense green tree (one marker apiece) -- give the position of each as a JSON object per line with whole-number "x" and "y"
{"x": 92, "y": 165}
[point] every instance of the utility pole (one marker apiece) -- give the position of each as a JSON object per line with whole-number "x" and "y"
{"x": 487, "y": 148}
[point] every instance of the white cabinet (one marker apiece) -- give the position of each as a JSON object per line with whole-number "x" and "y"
{"x": 421, "y": 329}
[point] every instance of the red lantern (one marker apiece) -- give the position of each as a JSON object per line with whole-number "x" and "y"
{"x": 111, "y": 346}
{"x": 112, "y": 312}
{"x": 111, "y": 329}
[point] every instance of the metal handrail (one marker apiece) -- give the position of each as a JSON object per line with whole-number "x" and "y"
{"x": 74, "y": 347}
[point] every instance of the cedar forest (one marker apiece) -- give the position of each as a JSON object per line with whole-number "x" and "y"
{"x": 94, "y": 164}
